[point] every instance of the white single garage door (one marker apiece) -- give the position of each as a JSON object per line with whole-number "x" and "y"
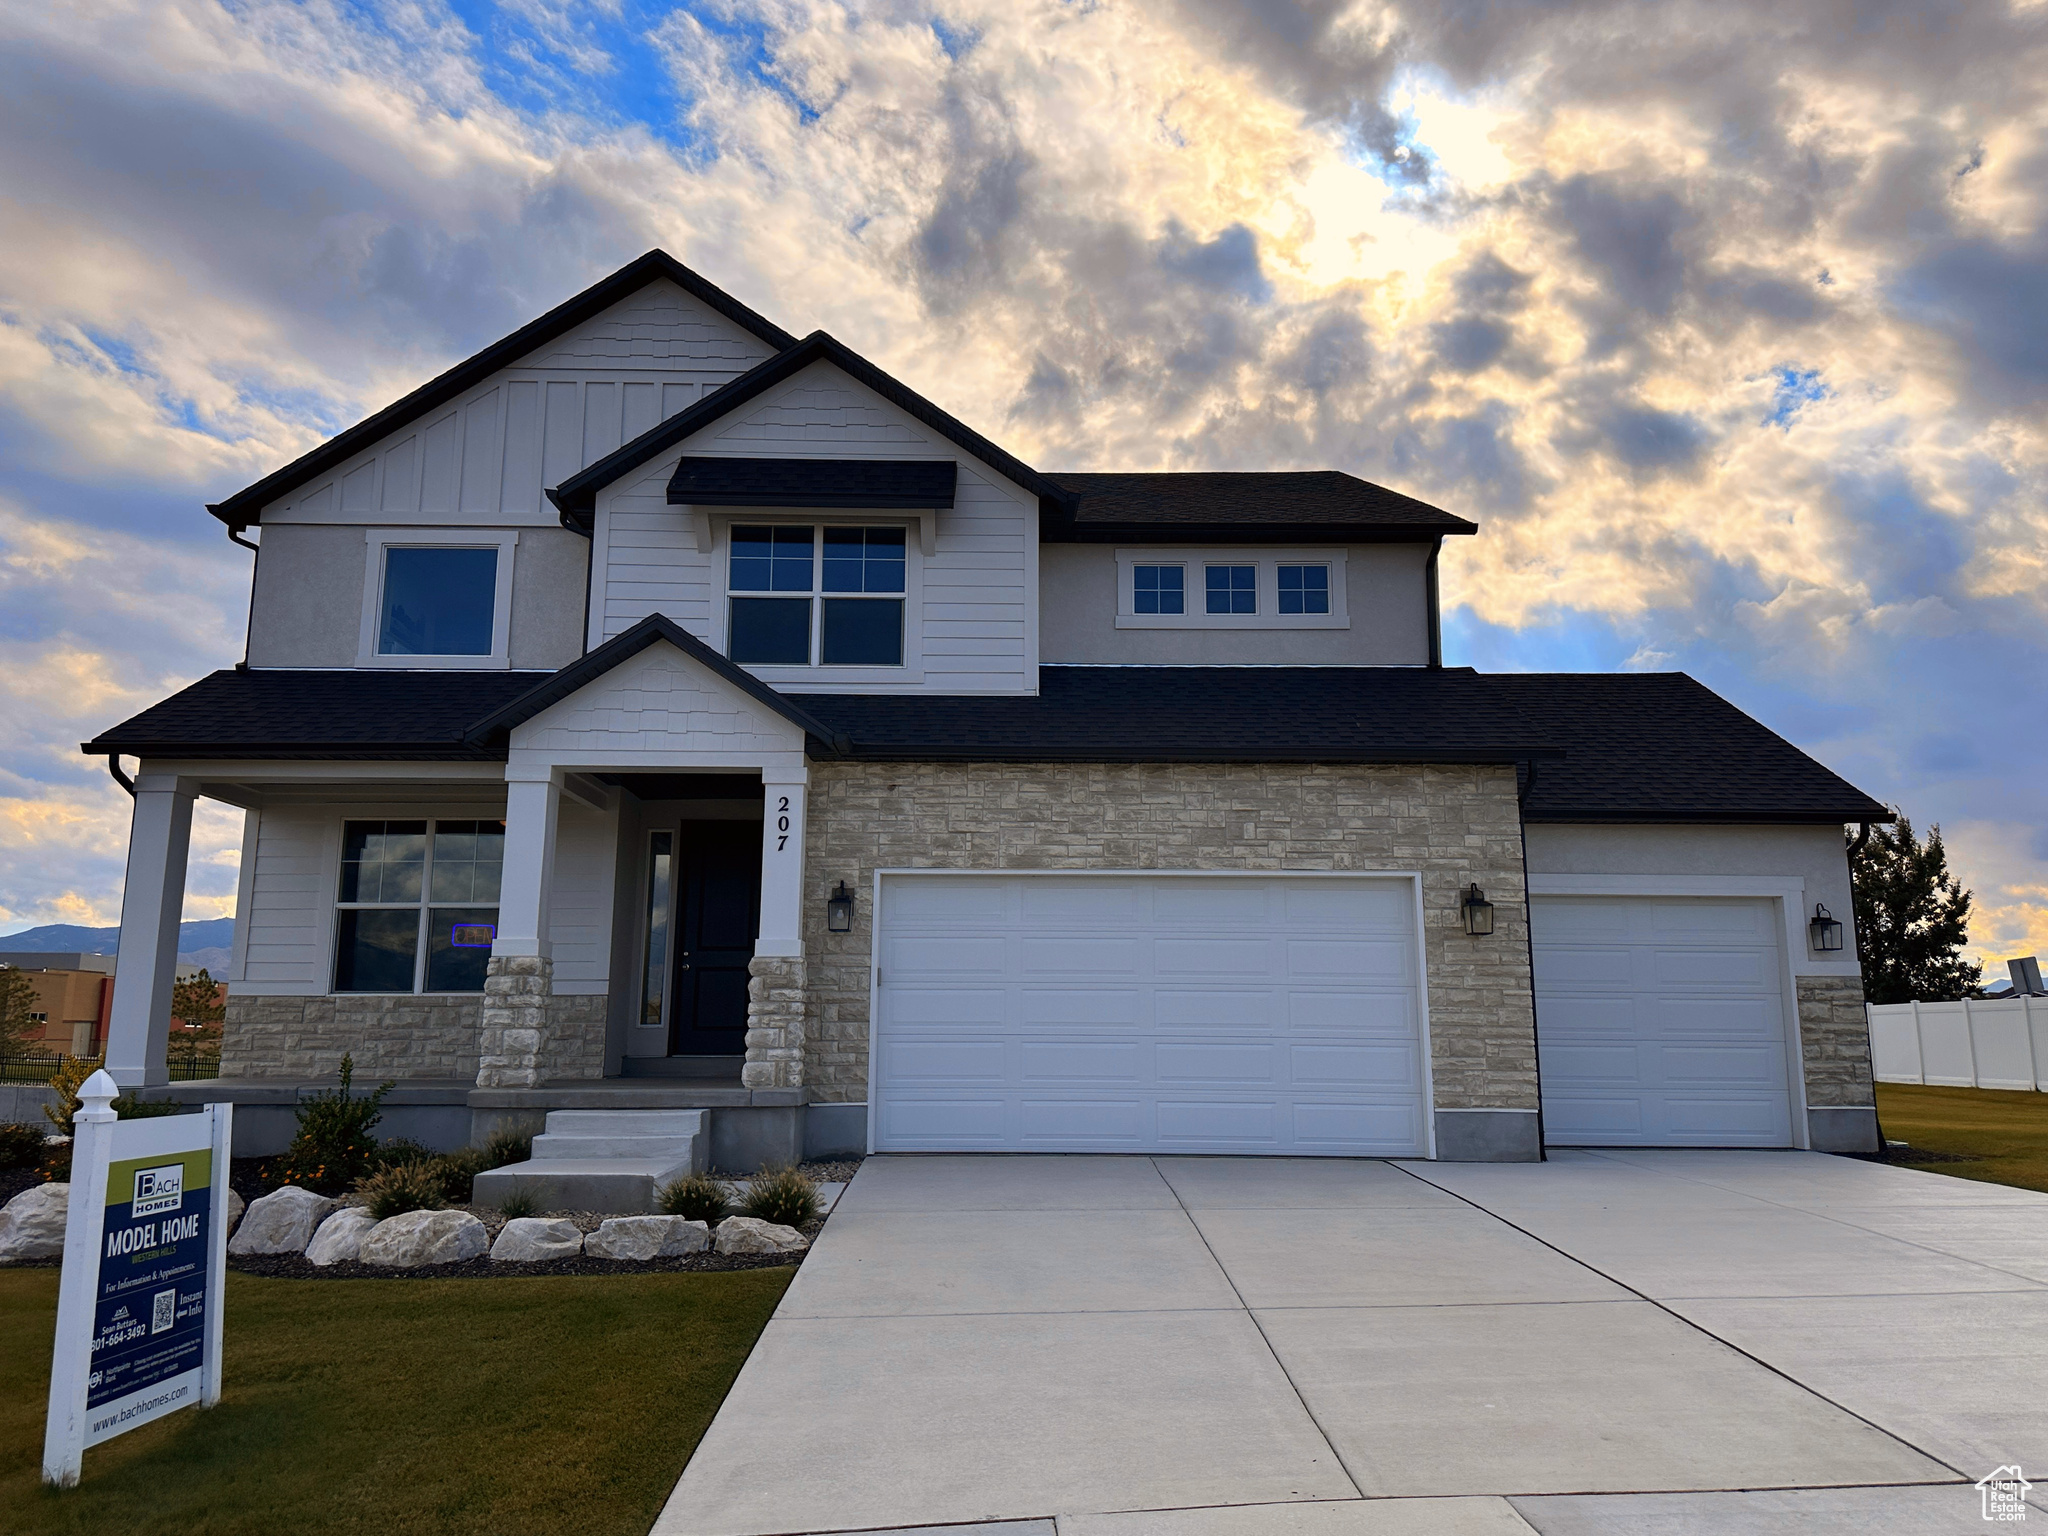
{"x": 1660, "y": 1022}
{"x": 1138, "y": 1013}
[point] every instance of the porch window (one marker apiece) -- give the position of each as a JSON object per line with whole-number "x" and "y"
{"x": 417, "y": 909}
{"x": 850, "y": 609}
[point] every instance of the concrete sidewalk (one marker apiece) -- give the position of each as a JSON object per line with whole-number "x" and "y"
{"x": 1123, "y": 1346}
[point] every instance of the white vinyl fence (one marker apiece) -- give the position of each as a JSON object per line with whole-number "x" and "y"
{"x": 2002, "y": 1043}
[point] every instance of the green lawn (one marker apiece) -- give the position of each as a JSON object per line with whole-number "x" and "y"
{"x": 516, "y": 1406}
{"x": 2005, "y": 1135}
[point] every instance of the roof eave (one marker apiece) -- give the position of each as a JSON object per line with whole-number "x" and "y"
{"x": 1247, "y": 533}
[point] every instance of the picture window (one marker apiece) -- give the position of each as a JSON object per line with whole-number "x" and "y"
{"x": 417, "y": 906}
{"x": 437, "y": 601}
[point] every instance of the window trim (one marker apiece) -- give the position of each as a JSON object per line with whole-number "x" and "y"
{"x": 1266, "y": 588}
{"x": 819, "y": 674}
{"x": 377, "y": 540}
{"x": 425, "y": 906}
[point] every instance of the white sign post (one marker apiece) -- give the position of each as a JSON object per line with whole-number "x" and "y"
{"x": 145, "y": 1261}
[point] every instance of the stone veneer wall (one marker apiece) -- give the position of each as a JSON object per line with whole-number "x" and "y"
{"x": 775, "y": 1023}
{"x": 1455, "y": 824}
{"x": 1834, "y": 1037}
{"x": 395, "y": 1036}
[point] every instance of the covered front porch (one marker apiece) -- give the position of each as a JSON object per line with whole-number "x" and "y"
{"x": 604, "y": 899}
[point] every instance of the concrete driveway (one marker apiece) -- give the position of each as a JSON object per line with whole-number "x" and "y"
{"x": 1605, "y": 1343}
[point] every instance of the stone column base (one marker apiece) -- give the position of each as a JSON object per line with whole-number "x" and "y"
{"x": 515, "y": 1014}
{"x": 775, "y": 1023}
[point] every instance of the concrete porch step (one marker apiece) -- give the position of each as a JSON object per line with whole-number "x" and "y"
{"x": 624, "y": 1124}
{"x": 553, "y": 1148}
{"x": 613, "y": 1185}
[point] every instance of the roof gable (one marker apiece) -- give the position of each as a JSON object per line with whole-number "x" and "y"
{"x": 527, "y": 345}
{"x": 576, "y": 497}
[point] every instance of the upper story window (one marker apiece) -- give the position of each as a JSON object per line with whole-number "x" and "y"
{"x": 1304, "y": 588}
{"x": 1233, "y": 588}
{"x": 437, "y": 602}
{"x": 826, "y": 596}
{"x": 1159, "y": 589}
{"x": 417, "y": 906}
{"x": 437, "y": 598}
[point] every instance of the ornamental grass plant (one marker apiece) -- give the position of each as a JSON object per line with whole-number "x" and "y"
{"x": 696, "y": 1197}
{"x": 400, "y": 1188}
{"x": 781, "y": 1194}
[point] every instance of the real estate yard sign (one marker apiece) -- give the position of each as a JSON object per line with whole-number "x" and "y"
{"x": 145, "y": 1255}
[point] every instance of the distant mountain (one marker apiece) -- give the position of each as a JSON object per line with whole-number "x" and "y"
{"x": 204, "y": 943}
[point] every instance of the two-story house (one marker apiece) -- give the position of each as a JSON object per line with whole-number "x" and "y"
{"x": 658, "y": 709}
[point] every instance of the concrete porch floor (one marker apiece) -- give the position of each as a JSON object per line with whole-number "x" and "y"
{"x": 1608, "y": 1342}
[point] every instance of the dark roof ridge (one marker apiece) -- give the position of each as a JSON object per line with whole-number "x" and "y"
{"x": 245, "y": 507}
{"x": 576, "y": 497}
{"x": 622, "y": 647}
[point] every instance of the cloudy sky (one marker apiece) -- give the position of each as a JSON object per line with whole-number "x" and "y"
{"x": 1727, "y": 321}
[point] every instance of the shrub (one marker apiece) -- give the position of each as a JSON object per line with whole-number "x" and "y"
{"x": 400, "y": 1188}
{"x": 517, "y": 1204}
{"x": 403, "y": 1149}
{"x": 69, "y": 1079}
{"x": 129, "y": 1107}
{"x": 334, "y": 1148}
{"x": 503, "y": 1147}
{"x": 21, "y": 1146}
{"x": 779, "y": 1193}
{"x": 697, "y": 1196}
{"x": 456, "y": 1172}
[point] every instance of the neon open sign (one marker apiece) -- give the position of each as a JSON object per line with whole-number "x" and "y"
{"x": 472, "y": 935}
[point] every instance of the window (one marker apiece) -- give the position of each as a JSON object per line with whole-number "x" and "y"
{"x": 1304, "y": 589}
{"x": 437, "y": 602}
{"x": 39, "y": 1018}
{"x": 1159, "y": 589}
{"x": 849, "y": 613}
{"x": 654, "y": 984}
{"x": 417, "y": 909}
{"x": 1233, "y": 588}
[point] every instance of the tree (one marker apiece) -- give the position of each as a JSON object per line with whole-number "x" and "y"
{"x": 18, "y": 1032}
{"x": 195, "y": 1004}
{"x": 1912, "y": 918}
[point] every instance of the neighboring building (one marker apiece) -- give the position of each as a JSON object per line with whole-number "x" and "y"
{"x": 74, "y": 996}
{"x": 660, "y": 709}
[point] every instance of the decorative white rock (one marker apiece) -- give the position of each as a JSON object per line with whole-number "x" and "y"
{"x": 283, "y": 1221}
{"x": 235, "y": 1207}
{"x": 32, "y": 1225}
{"x": 421, "y": 1238}
{"x": 529, "y": 1239}
{"x": 749, "y": 1234}
{"x": 647, "y": 1237}
{"x": 340, "y": 1237}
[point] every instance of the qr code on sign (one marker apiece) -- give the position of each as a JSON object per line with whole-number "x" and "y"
{"x": 163, "y": 1310}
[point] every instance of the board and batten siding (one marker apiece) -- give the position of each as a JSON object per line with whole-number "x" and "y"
{"x": 972, "y": 615}
{"x": 487, "y": 458}
{"x": 294, "y": 850}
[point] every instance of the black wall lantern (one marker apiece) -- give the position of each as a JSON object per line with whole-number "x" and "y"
{"x": 839, "y": 910}
{"x": 1478, "y": 913}
{"x": 1827, "y": 930}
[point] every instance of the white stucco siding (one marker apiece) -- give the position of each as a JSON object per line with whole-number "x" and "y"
{"x": 486, "y": 457}
{"x": 971, "y": 619}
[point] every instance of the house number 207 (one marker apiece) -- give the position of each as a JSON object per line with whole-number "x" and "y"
{"x": 782, "y": 823}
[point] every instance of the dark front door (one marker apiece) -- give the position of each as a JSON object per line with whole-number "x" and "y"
{"x": 718, "y": 896}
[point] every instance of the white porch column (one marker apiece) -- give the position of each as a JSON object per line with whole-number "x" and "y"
{"x": 775, "y": 989}
{"x": 519, "y": 980}
{"x": 782, "y": 868}
{"x": 152, "y": 902}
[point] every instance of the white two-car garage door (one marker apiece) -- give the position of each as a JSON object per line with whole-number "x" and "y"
{"x": 1660, "y": 1022}
{"x": 1138, "y": 1013}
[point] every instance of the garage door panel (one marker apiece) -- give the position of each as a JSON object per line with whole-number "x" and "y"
{"x": 1394, "y": 1068}
{"x": 1083, "y": 1120}
{"x": 962, "y": 904}
{"x": 1220, "y": 1007}
{"x": 1661, "y": 1020}
{"x": 935, "y": 958}
{"x": 1175, "y": 1062}
{"x": 1211, "y": 957}
{"x": 1188, "y": 1013}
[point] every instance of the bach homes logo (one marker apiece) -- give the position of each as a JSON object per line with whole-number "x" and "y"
{"x": 158, "y": 1190}
{"x": 2005, "y": 1494}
